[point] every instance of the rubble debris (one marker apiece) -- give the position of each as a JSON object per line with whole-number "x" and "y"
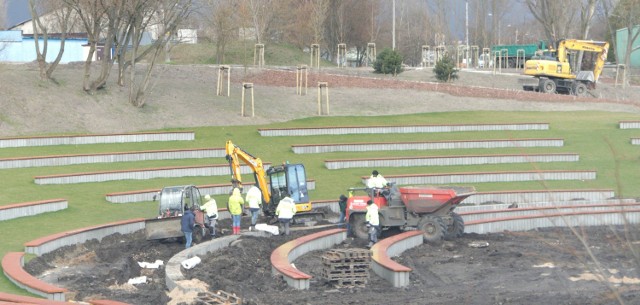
{"x": 154, "y": 265}
{"x": 137, "y": 280}
{"x": 190, "y": 262}
{"x": 478, "y": 244}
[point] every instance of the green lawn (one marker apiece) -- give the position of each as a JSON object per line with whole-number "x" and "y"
{"x": 593, "y": 135}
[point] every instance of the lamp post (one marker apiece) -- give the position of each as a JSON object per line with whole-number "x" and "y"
{"x": 393, "y": 30}
{"x": 466, "y": 9}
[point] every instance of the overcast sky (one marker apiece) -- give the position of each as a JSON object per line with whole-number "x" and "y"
{"x": 17, "y": 11}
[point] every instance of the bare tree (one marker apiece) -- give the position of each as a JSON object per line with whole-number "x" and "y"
{"x": 587, "y": 11}
{"x": 57, "y": 15}
{"x": 262, "y": 13}
{"x": 220, "y": 15}
{"x": 556, "y": 17}
{"x": 139, "y": 15}
{"x": 170, "y": 14}
{"x": 319, "y": 11}
{"x": 411, "y": 20}
{"x": 93, "y": 15}
{"x": 625, "y": 14}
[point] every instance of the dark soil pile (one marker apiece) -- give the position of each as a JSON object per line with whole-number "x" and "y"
{"x": 547, "y": 266}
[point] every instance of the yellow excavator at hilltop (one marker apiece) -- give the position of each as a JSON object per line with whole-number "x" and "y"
{"x": 558, "y": 71}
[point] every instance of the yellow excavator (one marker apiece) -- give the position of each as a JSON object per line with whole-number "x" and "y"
{"x": 286, "y": 180}
{"x": 558, "y": 71}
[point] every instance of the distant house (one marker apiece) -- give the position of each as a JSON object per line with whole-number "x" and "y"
{"x": 16, "y": 47}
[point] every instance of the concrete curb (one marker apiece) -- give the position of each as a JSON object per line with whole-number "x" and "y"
{"x": 32, "y": 208}
{"x": 384, "y": 266}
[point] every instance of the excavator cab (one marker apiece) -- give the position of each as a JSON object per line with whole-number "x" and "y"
{"x": 172, "y": 200}
{"x": 289, "y": 180}
{"x": 276, "y": 182}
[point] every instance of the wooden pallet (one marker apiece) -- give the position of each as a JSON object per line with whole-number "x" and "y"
{"x": 217, "y": 298}
{"x": 346, "y": 267}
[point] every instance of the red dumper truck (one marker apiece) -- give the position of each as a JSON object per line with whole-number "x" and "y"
{"x": 429, "y": 209}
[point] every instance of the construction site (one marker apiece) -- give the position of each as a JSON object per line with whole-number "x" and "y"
{"x": 554, "y": 261}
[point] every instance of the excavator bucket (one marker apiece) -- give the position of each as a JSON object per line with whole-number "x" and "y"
{"x": 163, "y": 228}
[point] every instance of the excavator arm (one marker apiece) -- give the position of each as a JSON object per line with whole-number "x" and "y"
{"x": 599, "y": 47}
{"x": 286, "y": 180}
{"x": 234, "y": 155}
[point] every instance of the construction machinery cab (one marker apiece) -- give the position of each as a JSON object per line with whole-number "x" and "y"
{"x": 288, "y": 180}
{"x": 275, "y": 183}
{"x": 172, "y": 200}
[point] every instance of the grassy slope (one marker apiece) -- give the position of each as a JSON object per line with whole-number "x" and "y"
{"x": 594, "y": 135}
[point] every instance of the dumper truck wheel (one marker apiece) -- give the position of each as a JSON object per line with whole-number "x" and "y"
{"x": 358, "y": 226}
{"x": 456, "y": 229}
{"x": 433, "y": 228}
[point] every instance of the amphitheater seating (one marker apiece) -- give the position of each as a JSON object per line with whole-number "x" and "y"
{"x": 282, "y": 256}
{"x": 147, "y": 195}
{"x": 382, "y": 251}
{"x": 141, "y": 174}
{"x": 12, "y": 266}
{"x": 341, "y": 130}
{"x": 448, "y": 160}
{"x": 52, "y": 242}
{"x": 542, "y": 215}
{"x": 61, "y": 160}
{"x": 97, "y": 139}
{"x": 23, "y": 209}
{"x": 548, "y": 195}
{"x": 629, "y": 124}
{"x": 481, "y": 177}
{"x": 424, "y": 145}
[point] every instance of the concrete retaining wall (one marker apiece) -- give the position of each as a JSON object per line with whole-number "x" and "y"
{"x": 284, "y": 255}
{"x": 629, "y": 124}
{"x": 61, "y": 160}
{"x": 341, "y": 130}
{"x": 97, "y": 139}
{"x": 590, "y": 215}
{"x": 142, "y": 174}
{"x": 481, "y": 177}
{"x": 211, "y": 189}
{"x": 524, "y": 196}
{"x": 448, "y": 160}
{"x": 53, "y": 242}
{"x": 383, "y": 266}
{"x": 24, "y": 209}
{"x": 474, "y": 213}
{"x": 424, "y": 145}
{"x": 173, "y": 273}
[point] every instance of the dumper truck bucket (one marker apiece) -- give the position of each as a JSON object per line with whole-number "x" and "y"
{"x": 431, "y": 199}
{"x": 163, "y": 228}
